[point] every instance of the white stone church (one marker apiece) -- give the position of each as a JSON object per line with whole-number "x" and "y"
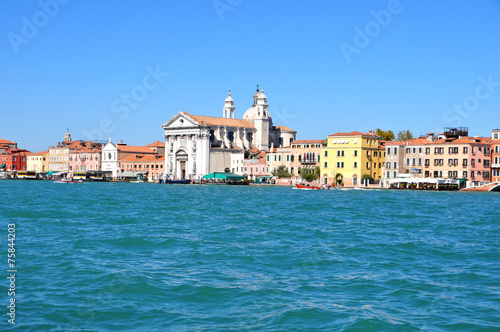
{"x": 196, "y": 145}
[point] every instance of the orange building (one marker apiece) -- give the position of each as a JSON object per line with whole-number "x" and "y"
{"x": 150, "y": 165}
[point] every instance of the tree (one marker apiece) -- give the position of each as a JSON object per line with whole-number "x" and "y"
{"x": 404, "y": 135}
{"x": 367, "y": 177}
{"x": 281, "y": 172}
{"x": 385, "y": 135}
{"x": 310, "y": 174}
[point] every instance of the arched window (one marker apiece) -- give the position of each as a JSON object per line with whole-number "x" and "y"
{"x": 109, "y": 156}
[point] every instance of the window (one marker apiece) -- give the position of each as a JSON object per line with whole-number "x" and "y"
{"x": 407, "y": 161}
{"x": 388, "y": 174}
{"x": 407, "y": 150}
{"x": 413, "y": 162}
{"x": 326, "y": 153}
{"x": 367, "y": 165}
{"x": 464, "y": 163}
{"x": 419, "y": 150}
{"x": 375, "y": 154}
{"x": 326, "y": 166}
{"x": 395, "y": 165}
{"x": 274, "y": 157}
{"x": 355, "y": 153}
{"x": 472, "y": 174}
{"x": 414, "y": 150}
{"x": 395, "y": 150}
{"x": 395, "y": 174}
{"x": 268, "y": 158}
{"x": 388, "y": 166}
{"x": 466, "y": 149}
{"x": 279, "y": 158}
{"x": 427, "y": 150}
{"x": 419, "y": 161}
{"x": 388, "y": 152}
{"x": 287, "y": 157}
{"x": 473, "y": 163}
{"x": 355, "y": 164}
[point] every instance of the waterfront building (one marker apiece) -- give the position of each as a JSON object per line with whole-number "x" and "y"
{"x": 38, "y": 162}
{"x": 59, "y": 154}
{"x": 457, "y": 156}
{"x": 255, "y": 168}
{"x": 393, "y": 166}
{"x": 350, "y": 156}
{"x": 6, "y": 145}
{"x": 14, "y": 160}
{"x": 414, "y": 156}
{"x": 85, "y": 158}
{"x": 305, "y": 154}
{"x": 237, "y": 162}
{"x": 197, "y": 145}
{"x": 112, "y": 153}
{"x": 495, "y": 155}
{"x": 158, "y": 147}
{"x": 149, "y": 165}
{"x": 277, "y": 157}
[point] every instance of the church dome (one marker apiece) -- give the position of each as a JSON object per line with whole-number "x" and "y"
{"x": 250, "y": 113}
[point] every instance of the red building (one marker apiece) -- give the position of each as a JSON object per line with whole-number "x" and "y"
{"x": 14, "y": 160}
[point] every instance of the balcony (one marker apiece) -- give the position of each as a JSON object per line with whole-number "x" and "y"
{"x": 308, "y": 161}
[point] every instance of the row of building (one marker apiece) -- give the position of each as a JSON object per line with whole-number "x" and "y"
{"x": 196, "y": 145}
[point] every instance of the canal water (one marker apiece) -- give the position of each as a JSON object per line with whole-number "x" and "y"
{"x": 132, "y": 256}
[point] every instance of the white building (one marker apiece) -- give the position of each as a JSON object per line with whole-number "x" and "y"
{"x": 112, "y": 153}
{"x": 196, "y": 145}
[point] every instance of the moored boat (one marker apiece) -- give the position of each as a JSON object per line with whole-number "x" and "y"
{"x": 307, "y": 187}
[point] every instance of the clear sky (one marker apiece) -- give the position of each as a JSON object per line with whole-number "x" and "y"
{"x": 121, "y": 69}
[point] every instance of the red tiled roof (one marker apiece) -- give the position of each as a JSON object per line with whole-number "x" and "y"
{"x": 284, "y": 128}
{"x": 394, "y": 143}
{"x": 136, "y": 149}
{"x": 352, "y": 133}
{"x": 307, "y": 141}
{"x": 41, "y": 153}
{"x": 417, "y": 141}
{"x": 143, "y": 158}
{"x": 157, "y": 143}
{"x": 461, "y": 140}
{"x": 215, "y": 121}
{"x": 4, "y": 141}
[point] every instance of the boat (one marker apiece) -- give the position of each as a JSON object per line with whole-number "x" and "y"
{"x": 68, "y": 181}
{"x": 177, "y": 181}
{"x": 307, "y": 187}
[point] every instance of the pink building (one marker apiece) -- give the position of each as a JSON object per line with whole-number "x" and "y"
{"x": 253, "y": 168}
{"x": 459, "y": 158}
{"x": 86, "y": 158}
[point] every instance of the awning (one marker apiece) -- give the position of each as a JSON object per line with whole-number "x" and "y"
{"x": 2, "y": 166}
{"x": 131, "y": 174}
{"x": 224, "y": 176}
{"x": 50, "y": 173}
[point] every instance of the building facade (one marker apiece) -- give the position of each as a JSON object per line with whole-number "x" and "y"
{"x": 86, "y": 158}
{"x": 38, "y": 162}
{"x": 112, "y": 153}
{"x": 197, "y": 145}
{"x": 349, "y": 156}
{"x": 151, "y": 165}
{"x": 495, "y": 155}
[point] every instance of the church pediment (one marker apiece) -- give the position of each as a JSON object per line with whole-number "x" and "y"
{"x": 180, "y": 120}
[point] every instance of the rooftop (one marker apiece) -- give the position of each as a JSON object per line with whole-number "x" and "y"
{"x": 216, "y": 121}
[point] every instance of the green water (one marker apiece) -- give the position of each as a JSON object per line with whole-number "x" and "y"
{"x": 150, "y": 257}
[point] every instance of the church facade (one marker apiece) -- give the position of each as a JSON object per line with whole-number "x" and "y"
{"x": 196, "y": 145}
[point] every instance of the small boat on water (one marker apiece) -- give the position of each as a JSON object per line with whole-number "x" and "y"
{"x": 307, "y": 187}
{"x": 67, "y": 181}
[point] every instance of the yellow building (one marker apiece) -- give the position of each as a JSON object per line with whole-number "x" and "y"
{"x": 38, "y": 162}
{"x": 349, "y": 156}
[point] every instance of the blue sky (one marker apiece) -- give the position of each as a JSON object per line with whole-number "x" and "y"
{"x": 325, "y": 66}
